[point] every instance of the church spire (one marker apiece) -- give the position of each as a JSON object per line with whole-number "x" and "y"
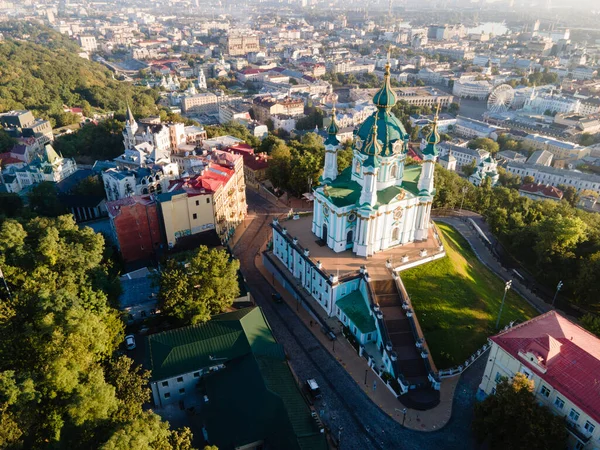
{"x": 434, "y": 137}
{"x": 129, "y": 114}
{"x": 385, "y": 98}
{"x": 332, "y": 144}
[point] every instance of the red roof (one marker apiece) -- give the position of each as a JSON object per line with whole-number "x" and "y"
{"x": 569, "y": 354}
{"x": 256, "y": 162}
{"x": 114, "y": 207}
{"x": 240, "y": 149}
{"x": 7, "y": 159}
{"x": 543, "y": 190}
{"x": 414, "y": 155}
{"x": 212, "y": 178}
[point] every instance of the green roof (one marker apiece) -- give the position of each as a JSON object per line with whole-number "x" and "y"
{"x": 225, "y": 337}
{"x": 355, "y": 307}
{"x": 256, "y": 398}
{"x": 385, "y": 97}
{"x": 410, "y": 179}
{"x": 343, "y": 191}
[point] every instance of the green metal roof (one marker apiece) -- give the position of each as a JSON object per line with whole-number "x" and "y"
{"x": 225, "y": 337}
{"x": 410, "y": 179}
{"x": 355, "y": 307}
{"x": 385, "y": 97}
{"x": 343, "y": 191}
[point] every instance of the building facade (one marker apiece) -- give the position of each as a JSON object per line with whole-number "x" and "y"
{"x": 563, "y": 361}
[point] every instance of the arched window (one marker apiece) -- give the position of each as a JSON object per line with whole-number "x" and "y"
{"x": 349, "y": 237}
{"x": 395, "y": 234}
{"x": 394, "y": 171}
{"x": 145, "y": 191}
{"x": 357, "y": 167}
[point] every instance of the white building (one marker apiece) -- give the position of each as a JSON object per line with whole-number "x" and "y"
{"x": 50, "y": 166}
{"x": 146, "y": 180}
{"x": 471, "y": 128}
{"x": 554, "y": 177}
{"x": 563, "y": 361}
{"x": 462, "y": 155}
{"x": 472, "y": 89}
{"x": 487, "y": 168}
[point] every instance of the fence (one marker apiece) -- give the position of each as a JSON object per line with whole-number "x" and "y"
{"x": 457, "y": 370}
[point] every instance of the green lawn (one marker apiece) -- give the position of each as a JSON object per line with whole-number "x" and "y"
{"x": 457, "y": 300}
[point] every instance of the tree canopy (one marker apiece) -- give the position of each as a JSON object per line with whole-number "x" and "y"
{"x": 513, "y": 418}
{"x": 44, "y": 72}
{"x": 486, "y": 144}
{"x": 61, "y": 383}
{"x": 196, "y": 285}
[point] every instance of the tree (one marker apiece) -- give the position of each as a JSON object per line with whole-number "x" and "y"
{"x": 131, "y": 388}
{"x": 196, "y": 285}
{"x": 513, "y": 418}
{"x": 528, "y": 179}
{"x": 344, "y": 156}
{"x": 43, "y": 199}
{"x": 279, "y": 170}
{"x": 508, "y": 179}
{"x": 485, "y": 144}
{"x": 11, "y": 205}
{"x": 587, "y": 139}
{"x": 558, "y": 236}
{"x": 414, "y": 134}
{"x": 6, "y": 141}
{"x": 591, "y": 322}
{"x": 453, "y": 108}
{"x": 570, "y": 194}
{"x": 469, "y": 169}
{"x": 588, "y": 282}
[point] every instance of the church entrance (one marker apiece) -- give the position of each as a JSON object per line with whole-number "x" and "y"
{"x": 324, "y": 235}
{"x": 349, "y": 237}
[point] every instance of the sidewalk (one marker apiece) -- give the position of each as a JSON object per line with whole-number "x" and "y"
{"x": 359, "y": 370}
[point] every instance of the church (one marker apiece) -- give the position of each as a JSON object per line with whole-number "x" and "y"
{"x": 377, "y": 203}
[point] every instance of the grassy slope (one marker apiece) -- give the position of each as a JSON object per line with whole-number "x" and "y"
{"x": 457, "y": 301}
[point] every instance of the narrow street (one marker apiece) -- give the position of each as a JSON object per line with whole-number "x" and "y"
{"x": 345, "y": 409}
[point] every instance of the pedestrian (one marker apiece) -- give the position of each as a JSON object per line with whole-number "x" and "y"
{"x": 311, "y": 322}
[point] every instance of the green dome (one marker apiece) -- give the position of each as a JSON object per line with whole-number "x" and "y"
{"x": 372, "y": 148}
{"x": 389, "y": 130}
{"x": 385, "y": 97}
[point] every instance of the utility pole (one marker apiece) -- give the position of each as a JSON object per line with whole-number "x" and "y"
{"x": 464, "y": 191}
{"x": 558, "y": 288}
{"x": 507, "y": 286}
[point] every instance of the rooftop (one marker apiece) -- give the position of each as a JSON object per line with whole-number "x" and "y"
{"x": 354, "y": 306}
{"x": 561, "y": 353}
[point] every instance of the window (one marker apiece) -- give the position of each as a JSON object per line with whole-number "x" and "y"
{"x": 545, "y": 391}
{"x": 197, "y": 202}
{"x": 182, "y": 391}
{"x": 589, "y": 427}
{"x": 208, "y": 200}
{"x": 559, "y": 403}
{"x": 354, "y": 330}
{"x": 195, "y": 216}
{"x": 167, "y": 395}
{"x": 493, "y": 391}
{"x": 196, "y": 374}
{"x": 368, "y": 336}
{"x": 180, "y": 379}
{"x": 573, "y": 415}
{"x": 498, "y": 377}
{"x": 165, "y": 383}
{"x": 579, "y": 446}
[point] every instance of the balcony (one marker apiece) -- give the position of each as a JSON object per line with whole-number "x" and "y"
{"x": 580, "y": 434}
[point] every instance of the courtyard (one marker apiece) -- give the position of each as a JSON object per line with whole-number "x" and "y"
{"x": 457, "y": 300}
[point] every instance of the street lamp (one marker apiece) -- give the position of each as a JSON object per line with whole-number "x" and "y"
{"x": 404, "y": 418}
{"x": 464, "y": 191}
{"x": 507, "y": 286}
{"x": 558, "y": 288}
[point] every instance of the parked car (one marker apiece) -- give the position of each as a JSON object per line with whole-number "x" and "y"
{"x": 130, "y": 342}
{"x": 312, "y": 389}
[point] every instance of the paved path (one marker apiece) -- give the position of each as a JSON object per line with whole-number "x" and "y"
{"x": 346, "y": 410}
{"x": 485, "y": 256}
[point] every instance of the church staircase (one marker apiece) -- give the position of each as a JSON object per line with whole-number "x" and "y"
{"x": 410, "y": 363}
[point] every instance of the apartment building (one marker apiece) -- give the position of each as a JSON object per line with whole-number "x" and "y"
{"x": 554, "y": 177}
{"x": 265, "y": 107}
{"x": 563, "y": 361}
{"x": 463, "y": 156}
{"x": 199, "y": 103}
{"x": 241, "y": 44}
{"x": 471, "y": 128}
{"x": 560, "y": 149}
{"x": 214, "y": 198}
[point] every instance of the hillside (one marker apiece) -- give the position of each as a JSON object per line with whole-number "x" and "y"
{"x": 40, "y": 70}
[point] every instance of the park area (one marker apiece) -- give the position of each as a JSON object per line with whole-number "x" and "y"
{"x": 457, "y": 300}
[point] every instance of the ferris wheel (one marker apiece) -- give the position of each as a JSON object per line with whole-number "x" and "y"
{"x": 501, "y": 98}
